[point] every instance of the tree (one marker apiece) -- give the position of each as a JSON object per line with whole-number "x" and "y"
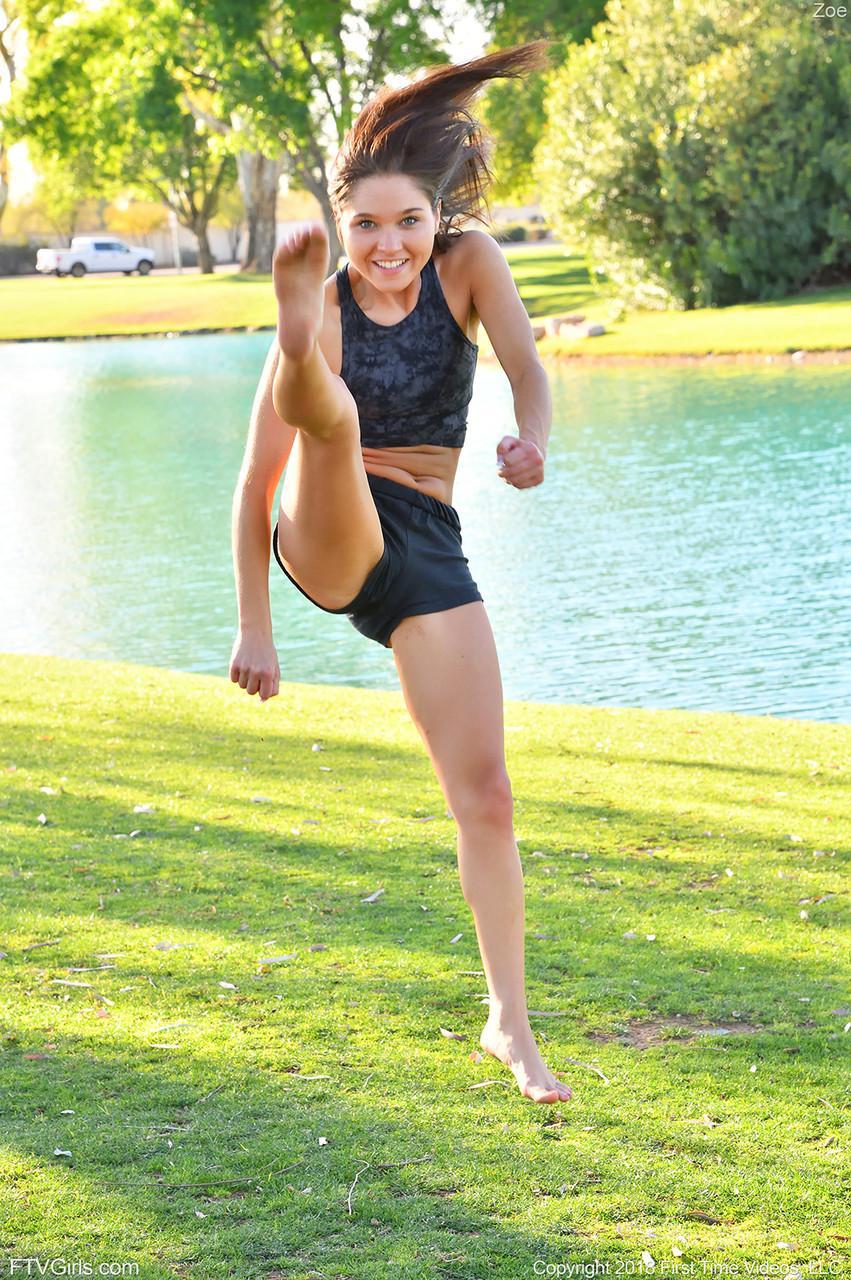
{"x": 288, "y": 79}
{"x": 100, "y": 100}
{"x": 700, "y": 151}
{"x": 516, "y": 120}
{"x": 9, "y": 28}
{"x": 63, "y": 199}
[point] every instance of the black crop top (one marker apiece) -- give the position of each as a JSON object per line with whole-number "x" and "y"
{"x": 411, "y": 381}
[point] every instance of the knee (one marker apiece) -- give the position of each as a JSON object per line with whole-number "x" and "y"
{"x": 486, "y": 800}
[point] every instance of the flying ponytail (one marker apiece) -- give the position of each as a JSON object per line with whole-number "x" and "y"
{"x": 426, "y": 131}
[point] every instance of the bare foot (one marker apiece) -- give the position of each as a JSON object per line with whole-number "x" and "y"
{"x": 516, "y": 1048}
{"x": 298, "y": 270}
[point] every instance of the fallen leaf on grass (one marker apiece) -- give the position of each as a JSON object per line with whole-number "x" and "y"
{"x": 277, "y": 959}
{"x": 452, "y": 1035}
{"x": 373, "y": 896}
{"x": 143, "y": 808}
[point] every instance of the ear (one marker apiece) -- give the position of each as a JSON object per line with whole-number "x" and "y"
{"x": 437, "y": 213}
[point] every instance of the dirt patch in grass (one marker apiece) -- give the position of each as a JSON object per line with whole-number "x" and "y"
{"x": 649, "y": 1032}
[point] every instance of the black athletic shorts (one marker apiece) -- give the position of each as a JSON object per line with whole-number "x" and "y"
{"x": 422, "y": 568}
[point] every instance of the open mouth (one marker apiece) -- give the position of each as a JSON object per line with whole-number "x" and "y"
{"x": 389, "y": 265}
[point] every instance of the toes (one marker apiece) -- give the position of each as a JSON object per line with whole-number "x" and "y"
{"x": 540, "y": 1094}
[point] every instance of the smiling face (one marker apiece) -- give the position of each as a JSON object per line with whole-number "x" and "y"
{"x": 388, "y": 227}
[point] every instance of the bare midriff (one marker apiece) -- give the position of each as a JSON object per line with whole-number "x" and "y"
{"x": 429, "y": 468}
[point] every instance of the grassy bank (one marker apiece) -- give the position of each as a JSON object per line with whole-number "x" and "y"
{"x": 549, "y": 282}
{"x": 242, "y": 1059}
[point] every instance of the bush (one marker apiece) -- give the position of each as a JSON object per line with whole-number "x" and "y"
{"x": 511, "y": 231}
{"x": 17, "y": 257}
{"x": 701, "y": 151}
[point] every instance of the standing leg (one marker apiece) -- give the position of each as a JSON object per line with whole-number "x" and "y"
{"x": 449, "y": 672}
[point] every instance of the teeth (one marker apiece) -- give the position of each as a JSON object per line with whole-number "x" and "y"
{"x": 397, "y": 262}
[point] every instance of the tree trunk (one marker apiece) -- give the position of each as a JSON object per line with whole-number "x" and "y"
{"x": 258, "y": 181}
{"x": 4, "y": 181}
{"x": 335, "y": 245}
{"x": 206, "y": 261}
{"x": 315, "y": 178}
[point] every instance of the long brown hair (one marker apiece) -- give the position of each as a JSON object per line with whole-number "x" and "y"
{"x": 425, "y": 131}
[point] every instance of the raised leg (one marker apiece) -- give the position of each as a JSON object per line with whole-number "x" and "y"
{"x": 329, "y": 534}
{"x": 449, "y": 672}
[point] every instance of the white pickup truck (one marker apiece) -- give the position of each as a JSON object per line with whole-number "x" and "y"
{"x": 94, "y": 253}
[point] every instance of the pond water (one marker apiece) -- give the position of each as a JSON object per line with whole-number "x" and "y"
{"x": 689, "y": 547}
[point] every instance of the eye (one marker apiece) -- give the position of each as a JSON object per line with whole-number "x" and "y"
{"x": 363, "y": 222}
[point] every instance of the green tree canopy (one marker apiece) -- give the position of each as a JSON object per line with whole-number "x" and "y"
{"x": 100, "y": 100}
{"x": 516, "y": 119}
{"x": 274, "y": 83}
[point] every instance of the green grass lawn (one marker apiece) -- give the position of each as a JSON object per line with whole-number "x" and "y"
{"x": 243, "y": 1061}
{"x": 550, "y": 283}
{"x": 46, "y": 307}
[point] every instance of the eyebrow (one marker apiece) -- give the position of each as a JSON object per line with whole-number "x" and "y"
{"x": 415, "y": 208}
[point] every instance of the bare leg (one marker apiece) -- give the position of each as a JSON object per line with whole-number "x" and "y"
{"x": 305, "y": 392}
{"x": 449, "y": 672}
{"x": 492, "y": 884}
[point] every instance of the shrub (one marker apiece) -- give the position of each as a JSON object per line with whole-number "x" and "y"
{"x": 511, "y": 231}
{"x": 701, "y": 150}
{"x": 17, "y": 257}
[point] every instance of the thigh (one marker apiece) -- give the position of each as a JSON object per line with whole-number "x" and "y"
{"x": 329, "y": 533}
{"x": 449, "y": 672}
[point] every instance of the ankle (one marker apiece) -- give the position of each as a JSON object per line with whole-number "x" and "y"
{"x": 508, "y": 1017}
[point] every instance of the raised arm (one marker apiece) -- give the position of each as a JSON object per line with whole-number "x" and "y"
{"x": 254, "y": 663}
{"x": 504, "y": 317}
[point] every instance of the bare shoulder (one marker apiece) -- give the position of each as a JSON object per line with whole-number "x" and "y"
{"x": 480, "y": 254}
{"x": 495, "y": 299}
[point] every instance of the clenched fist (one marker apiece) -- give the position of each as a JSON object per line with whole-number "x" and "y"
{"x": 521, "y": 462}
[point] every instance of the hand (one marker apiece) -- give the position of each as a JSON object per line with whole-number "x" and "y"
{"x": 254, "y": 665}
{"x": 521, "y": 462}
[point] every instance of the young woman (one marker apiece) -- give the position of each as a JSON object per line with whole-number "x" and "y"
{"x": 364, "y": 395}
